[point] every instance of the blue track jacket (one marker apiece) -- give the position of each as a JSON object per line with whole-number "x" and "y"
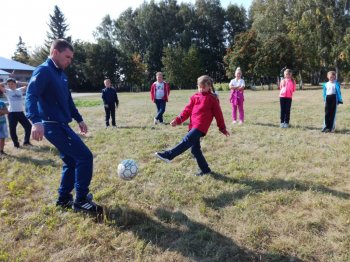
{"x": 48, "y": 97}
{"x": 338, "y": 96}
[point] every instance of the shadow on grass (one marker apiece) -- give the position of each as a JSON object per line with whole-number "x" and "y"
{"x": 37, "y": 162}
{"x": 176, "y": 232}
{"x": 343, "y": 131}
{"x": 136, "y": 127}
{"x": 256, "y": 186}
{"x": 29, "y": 159}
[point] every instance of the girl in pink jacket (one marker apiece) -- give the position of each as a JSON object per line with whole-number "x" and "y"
{"x": 287, "y": 88}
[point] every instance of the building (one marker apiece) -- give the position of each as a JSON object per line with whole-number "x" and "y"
{"x": 10, "y": 68}
{"x": 3, "y": 75}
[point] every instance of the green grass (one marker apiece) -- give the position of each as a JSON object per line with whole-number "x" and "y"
{"x": 276, "y": 195}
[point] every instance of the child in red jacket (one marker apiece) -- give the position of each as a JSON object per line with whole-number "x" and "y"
{"x": 160, "y": 91}
{"x": 201, "y": 109}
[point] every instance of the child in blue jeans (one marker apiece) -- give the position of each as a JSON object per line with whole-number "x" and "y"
{"x": 201, "y": 110}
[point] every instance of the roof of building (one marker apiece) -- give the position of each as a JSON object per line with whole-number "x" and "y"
{"x": 2, "y": 72}
{"x": 9, "y": 64}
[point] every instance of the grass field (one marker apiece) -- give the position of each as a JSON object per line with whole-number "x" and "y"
{"x": 276, "y": 194}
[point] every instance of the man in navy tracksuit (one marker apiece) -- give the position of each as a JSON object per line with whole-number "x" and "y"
{"x": 110, "y": 101}
{"x": 50, "y": 108}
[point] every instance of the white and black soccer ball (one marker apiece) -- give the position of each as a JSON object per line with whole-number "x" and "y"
{"x": 127, "y": 169}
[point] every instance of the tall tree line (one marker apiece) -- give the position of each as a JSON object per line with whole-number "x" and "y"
{"x": 183, "y": 40}
{"x": 311, "y": 37}
{"x": 186, "y": 40}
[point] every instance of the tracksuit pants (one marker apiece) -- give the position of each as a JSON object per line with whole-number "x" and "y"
{"x": 77, "y": 160}
{"x": 286, "y": 104}
{"x": 240, "y": 109}
{"x": 18, "y": 117}
{"x": 330, "y": 111}
{"x": 110, "y": 113}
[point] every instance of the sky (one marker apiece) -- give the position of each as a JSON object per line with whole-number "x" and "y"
{"x": 29, "y": 19}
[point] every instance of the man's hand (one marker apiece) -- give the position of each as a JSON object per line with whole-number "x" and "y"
{"x": 38, "y": 131}
{"x": 83, "y": 128}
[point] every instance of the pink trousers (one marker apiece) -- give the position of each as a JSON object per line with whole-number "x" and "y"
{"x": 238, "y": 104}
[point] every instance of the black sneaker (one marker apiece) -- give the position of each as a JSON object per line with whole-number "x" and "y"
{"x": 88, "y": 206}
{"x": 163, "y": 156}
{"x": 2, "y": 153}
{"x": 27, "y": 144}
{"x": 66, "y": 203}
{"x": 202, "y": 173}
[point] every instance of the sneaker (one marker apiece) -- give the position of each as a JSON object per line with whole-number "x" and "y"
{"x": 88, "y": 206}
{"x": 240, "y": 122}
{"x": 2, "y": 153}
{"x": 202, "y": 173}
{"x": 27, "y": 144}
{"x": 234, "y": 122}
{"x": 324, "y": 129}
{"x": 66, "y": 203}
{"x": 155, "y": 121}
{"x": 286, "y": 125}
{"x": 282, "y": 125}
{"x": 162, "y": 156}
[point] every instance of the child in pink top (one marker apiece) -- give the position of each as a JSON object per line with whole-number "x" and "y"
{"x": 287, "y": 88}
{"x": 237, "y": 98}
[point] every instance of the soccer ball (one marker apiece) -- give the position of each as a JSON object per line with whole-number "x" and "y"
{"x": 127, "y": 169}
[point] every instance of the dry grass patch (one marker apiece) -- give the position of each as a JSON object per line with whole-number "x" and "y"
{"x": 275, "y": 195}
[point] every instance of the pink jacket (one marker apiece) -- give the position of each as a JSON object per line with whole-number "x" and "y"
{"x": 287, "y": 88}
{"x": 166, "y": 91}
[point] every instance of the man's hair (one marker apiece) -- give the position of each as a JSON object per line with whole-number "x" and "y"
{"x": 331, "y": 73}
{"x": 61, "y": 45}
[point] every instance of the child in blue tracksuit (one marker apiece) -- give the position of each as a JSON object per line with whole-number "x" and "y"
{"x": 331, "y": 97}
{"x": 50, "y": 108}
{"x": 110, "y": 102}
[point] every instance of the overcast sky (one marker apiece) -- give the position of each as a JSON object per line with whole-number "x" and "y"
{"x": 29, "y": 19}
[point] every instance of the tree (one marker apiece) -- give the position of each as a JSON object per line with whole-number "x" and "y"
{"x": 243, "y": 54}
{"x": 101, "y": 62}
{"x": 236, "y": 22}
{"x": 58, "y": 29}
{"x": 136, "y": 74}
{"x": 209, "y": 36}
{"x": 58, "y": 26}
{"x": 106, "y": 30}
{"x": 182, "y": 67}
{"x": 21, "y": 53}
